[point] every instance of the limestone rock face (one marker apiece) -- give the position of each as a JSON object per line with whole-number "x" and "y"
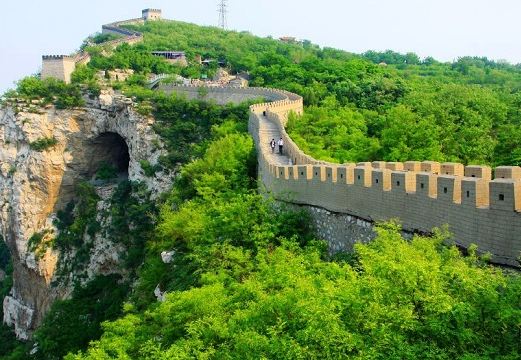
{"x": 36, "y": 183}
{"x": 19, "y": 316}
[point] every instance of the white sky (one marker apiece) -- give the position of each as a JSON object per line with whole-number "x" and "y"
{"x": 444, "y": 29}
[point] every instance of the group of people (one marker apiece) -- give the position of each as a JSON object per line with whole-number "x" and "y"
{"x": 274, "y": 143}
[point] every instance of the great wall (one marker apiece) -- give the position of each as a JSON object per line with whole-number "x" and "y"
{"x": 344, "y": 200}
{"x": 422, "y": 195}
{"x": 62, "y": 66}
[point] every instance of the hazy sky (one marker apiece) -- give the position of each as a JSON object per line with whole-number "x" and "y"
{"x": 444, "y": 29}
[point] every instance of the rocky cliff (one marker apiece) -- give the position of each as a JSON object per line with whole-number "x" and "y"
{"x": 44, "y": 154}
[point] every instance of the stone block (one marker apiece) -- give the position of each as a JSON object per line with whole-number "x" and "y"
{"x": 319, "y": 173}
{"x": 475, "y": 192}
{"x": 478, "y": 171}
{"x": 362, "y": 176}
{"x": 508, "y": 172}
{"x": 505, "y": 194}
{"x": 331, "y": 173}
{"x": 394, "y": 166}
{"x": 430, "y": 167}
{"x": 450, "y": 168}
{"x": 449, "y": 188}
{"x": 305, "y": 172}
{"x": 381, "y": 179}
{"x": 412, "y": 166}
{"x": 427, "y": 184}
{"x": 403, "y": 181}
{"x": 378, "y": 164}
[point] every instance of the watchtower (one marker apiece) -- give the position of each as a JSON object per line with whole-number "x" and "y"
{"x": 58, "y": 66}
{"x": 151, "y": 14}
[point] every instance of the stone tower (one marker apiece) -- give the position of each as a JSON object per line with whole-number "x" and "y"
{"x": 151, "y": 14}
{"x": 58, "y": 66}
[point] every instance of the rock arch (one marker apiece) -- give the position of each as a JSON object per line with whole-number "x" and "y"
{"x": 108, "y": 148}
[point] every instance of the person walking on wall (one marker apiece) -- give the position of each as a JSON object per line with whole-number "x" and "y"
{"x": 281, "y": 145}
{"x": 272, "y": 145}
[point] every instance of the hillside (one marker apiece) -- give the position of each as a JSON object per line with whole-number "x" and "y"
{"x": 214, "y": 269}
{"x": 375, "y": 106}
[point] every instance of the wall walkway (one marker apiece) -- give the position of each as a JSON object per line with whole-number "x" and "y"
{"x": 422, "y": 195}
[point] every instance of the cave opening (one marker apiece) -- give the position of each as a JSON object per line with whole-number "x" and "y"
{"x": 109, "y": 157}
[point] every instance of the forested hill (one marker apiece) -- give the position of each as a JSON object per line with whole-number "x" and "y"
{"x": 249, "y": 280}
{"x": 375, "y": 106}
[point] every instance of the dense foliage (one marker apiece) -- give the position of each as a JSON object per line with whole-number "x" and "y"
{"x": 185, "y": 126}
{"x": 398, "y": 300}
{"x": 43, "y": 144}
{"x": 49, "y": 91}
{"x": 72, "y": 324}
{"x": 395, "y": 106}
{"x": 77, "y": 219}
{"x": 247, "y": 279}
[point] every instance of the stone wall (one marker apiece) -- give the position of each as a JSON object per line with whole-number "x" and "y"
{"x": 422, "y": 195}
{"x": 115, "y": 28}
{"x": 223, "y": 95}
{"x": 341, "y": 231}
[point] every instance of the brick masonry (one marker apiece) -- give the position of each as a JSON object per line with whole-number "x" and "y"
{"x": 422, "y": 195}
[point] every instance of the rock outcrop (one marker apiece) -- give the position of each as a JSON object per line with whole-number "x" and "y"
{"x": 37, "y": 181}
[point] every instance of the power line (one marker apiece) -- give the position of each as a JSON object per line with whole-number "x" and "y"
{"x": 223, "y": 14}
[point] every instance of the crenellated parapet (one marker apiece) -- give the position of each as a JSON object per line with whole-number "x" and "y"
{"x": 482, "y": 206}
{"x": 151, "y": 14}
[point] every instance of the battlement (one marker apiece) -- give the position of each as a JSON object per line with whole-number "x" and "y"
{"x": 56, "y": 57}
{"x": 479, "y": 208}
{"x": 151, "y": 14}
{"x": 498, "y": 193}
{"x": 229, "y": 94}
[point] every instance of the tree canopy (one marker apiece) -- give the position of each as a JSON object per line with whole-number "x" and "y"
{"x": 248, "y": 278}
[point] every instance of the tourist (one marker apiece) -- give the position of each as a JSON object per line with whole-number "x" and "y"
{"x": 281, "y": 145}
{"x": 272, "y": 145}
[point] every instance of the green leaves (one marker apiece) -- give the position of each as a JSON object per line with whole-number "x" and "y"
{"x": 404, "y": 299}
{"x": 50, "y": 91}
{"x": 71, "y": 324}
{"x": 43, "y": 144}
{"x": 337, "y": 134}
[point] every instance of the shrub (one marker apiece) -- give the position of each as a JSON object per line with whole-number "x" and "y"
{"x": 43, "y": 144}
{"x": 106, "y": 171}
{"x": 83, "y": 218}
{"x": 39, "y": 242}
{"x": 50, "y": 91}
{"x": 101, "y": 38}
{"x": 144, "y": 108}
{"x": 149, "y": 169}
{"x": 83, "y": 74}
